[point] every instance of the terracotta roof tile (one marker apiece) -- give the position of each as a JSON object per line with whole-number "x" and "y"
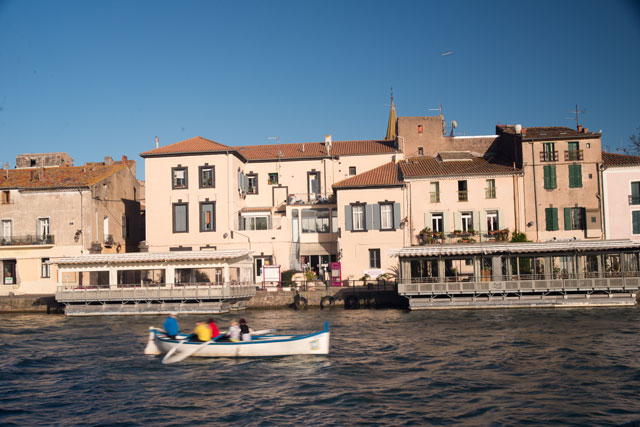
{"x": 387, "y": 175}
{"x": 191, "y": 145}
{"x": 58, "y": 177}
{"x": 424, "y": 166}
{"x": 548, "y": 132}
{"x": 315, "y": 149}
{"x": 612, "y": 159}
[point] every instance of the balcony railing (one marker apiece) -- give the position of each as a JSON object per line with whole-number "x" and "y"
{"x": 463, "y": 196}
{"x": 435, "y": 197}
{"x": 574, "y": 155}
{"x": 490, "y": 193}
{"x": 549, "y": 156}
{"x": 27, "y": 240}
{"x": 309, "y": 199}
{"x": 634, "y": 200}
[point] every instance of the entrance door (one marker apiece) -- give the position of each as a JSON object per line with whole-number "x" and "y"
{"x": 259, "y": 263}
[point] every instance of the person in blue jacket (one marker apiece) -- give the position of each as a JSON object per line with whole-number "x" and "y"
{"x": 171, "y": 326}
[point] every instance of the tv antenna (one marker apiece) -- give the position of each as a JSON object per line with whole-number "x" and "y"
{"x": 577, "y": 112}
{"x": 437, "y": 109}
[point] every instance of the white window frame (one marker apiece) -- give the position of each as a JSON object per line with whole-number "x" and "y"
{"x": 492, "y": 221}
{"x": 466, "y": 221}
{"x": 45, "y": 269}
{"x": 357, "y": 217}
{"x": 386, "y": 216}
{"x": 44, "y": 224}
{"x": 249, "y": 221}
{"x": 437, "y": 222}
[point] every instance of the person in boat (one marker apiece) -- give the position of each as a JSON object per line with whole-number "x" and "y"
{"x": 245, "y": 333}
{"x": 214, "y": 328}
{"x": 234, "y": 331}
{"x": 201, "y": 333}
{"x": 171, "y": 326}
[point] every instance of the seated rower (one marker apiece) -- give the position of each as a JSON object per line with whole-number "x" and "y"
{"x": 171, "y": 326}
{"x": 245, "y": 332}
{"x": 201, "y": 333}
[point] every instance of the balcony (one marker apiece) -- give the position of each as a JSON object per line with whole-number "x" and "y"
{"x": 634, "y": 200}
{"x": 435, "y": 197}
{"x": 573, "y": 155}
{"x": 549, "y": 156}
{"x": 109, "y": 241}
{"x": 27, "y": 240}
{"x": 490, "y": 192}
{"x": 310, "y": 199}
{"x": 463, "y": 196}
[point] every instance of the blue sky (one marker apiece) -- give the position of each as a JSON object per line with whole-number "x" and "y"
{"x": 96, "y": 78}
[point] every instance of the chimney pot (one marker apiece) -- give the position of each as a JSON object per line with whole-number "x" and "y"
{"x": 585, "y": 130}
{"x": 157, "y": 142}
{"x": 579, "y": 128}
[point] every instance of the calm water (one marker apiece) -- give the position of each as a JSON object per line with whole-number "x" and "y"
{"x": 386, "y": 367}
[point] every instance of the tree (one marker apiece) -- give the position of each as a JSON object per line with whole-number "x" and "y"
{"x": 634, "y": 144}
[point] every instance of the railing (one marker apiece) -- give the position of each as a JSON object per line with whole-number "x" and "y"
{"x": 47, "y": 239}
{"x": 549, "y": 156}
{"x": 438, "y": 237}
{"x": 309, "y": 199}
{"x": 156, "y": 292}
{"x": 634, "y": 200}
{"x": 490, "y": 193}
{"x": 518, "y": 283}
{"x": 388, "y": 284}
{"x": 435, "y": 197}
{"x": 574, "y": 155}
{"x": 463, "y": 196}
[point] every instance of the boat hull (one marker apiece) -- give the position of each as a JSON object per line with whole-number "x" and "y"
{"x": 260, "y": 346}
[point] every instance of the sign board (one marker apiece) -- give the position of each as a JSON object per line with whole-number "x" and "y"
{"x": 374, "y": 272}
{"x": 336, "y": 274}
{"x": 270, "y": 274}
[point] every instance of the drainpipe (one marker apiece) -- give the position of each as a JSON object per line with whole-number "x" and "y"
{"x": 535, "y": 193}
{"x": 603, "y": 226}
{"x": 516, "y": 200}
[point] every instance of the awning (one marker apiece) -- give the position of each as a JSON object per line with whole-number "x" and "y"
{"x": 145, "y": 257}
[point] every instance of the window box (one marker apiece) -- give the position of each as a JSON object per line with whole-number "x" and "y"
{"x": 428, "y": 237}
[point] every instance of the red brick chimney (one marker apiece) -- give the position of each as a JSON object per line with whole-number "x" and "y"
{"x": 579, "y": 128}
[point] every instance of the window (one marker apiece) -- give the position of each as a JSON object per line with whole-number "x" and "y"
{"x": 467, "y": 221}
{"x": 9, "y": 272}
{"x": 549, "y": 177}
{"x": 435, "y": 192}
{"x": 386, "y": 216}
{"x": 207, "y": 216}
{"x": 635, "y": 219}
{"x": 575, "y": 176}
{"x": 255, "y": 222}
{"x": 419, "y": 128}
{"x": 313, "y": 184}
{"x": 104, "y": 191}
{"x": 357, "y": 212}
{"x": 105, "y": 229}
{"x": 207, "y": 177}
{"x": 273, "y": 179}
{"x": 549, "y": 153}
{"x": 436, "y": 222}
{"x": 374, "y": 258}
{"x": 420, "y": 151}
{"x": 352, "y": 170}
{"x": 491, "y": 189}
{"x": 6, "y": 197}
{"x": 6, "y": 230}
{"x": 179, "y": 177}
{"x": 574, "y": 219}
{"x": 45, "y": 269}
{"x": 574, "y": 152}
{"x": 180, "y": 218}
{"x": 492, "y": 221}
{"x": 43, "y": 228}
{"x": 315, "y": 221}
{"x": 634, "y": 198}
{"x": 125, "y": 226}
{"x": 334, "y": 221}
{"x": 462, "y": 191}
{"x": 551, "y": 219}
{"x": 252, "y": 184}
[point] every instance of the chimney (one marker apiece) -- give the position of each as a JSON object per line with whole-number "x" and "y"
{"x": 157, "y": 142}
{"x": 579, "y": 128}
{"x": 108, "y": 161}
{"x": 124, "y": 160}
{"x": 327, "y": 144}
{"x": 585, "y": 130}
{"x": 303, "y": 148}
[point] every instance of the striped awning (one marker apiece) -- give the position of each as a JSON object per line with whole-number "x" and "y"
{"x": 514, "y": 248}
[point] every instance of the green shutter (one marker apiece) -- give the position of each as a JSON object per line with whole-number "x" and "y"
{"x": 575, "y": 176}
{"x": 547, "y": 177}
{"x": 555, "y": 219}
{"x": 548, "y": 219}
{"x": 635, "y": 216}
{"x": 550, "y": 177}
{"x": 567, "y": 218}
{"x": 553, "y": 177}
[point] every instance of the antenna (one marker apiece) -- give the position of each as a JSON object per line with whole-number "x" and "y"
{"x": 577, "y": 112}
{"x": 437, "y": 109}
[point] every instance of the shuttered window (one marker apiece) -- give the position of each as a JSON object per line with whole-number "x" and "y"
{"x": 551, "y": 217}
{"x": 574, "y": 218}
{"x": 575, "y": 176}
{"x": 550, "y": 177}
{"x": 635, "y": 218}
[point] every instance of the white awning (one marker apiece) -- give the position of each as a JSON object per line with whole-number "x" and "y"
{"x": 514, "y": 248}
{"x": 146, "y": 257}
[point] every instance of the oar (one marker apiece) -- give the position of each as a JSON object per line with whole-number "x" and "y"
{"x": 180, "y": 357}
{"x": 263, "y": 332}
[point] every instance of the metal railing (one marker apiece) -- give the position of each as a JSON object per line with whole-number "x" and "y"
{"x": 490, "y": 193}
{"x": 47, "y": 239}
{"x": 435, "y": 197}
{"x": 549, "y": 156}
{"x": 574, "y": 155}
{"x": 463, "y": 196}
{"x": 309, "y": 199}
{"x": 156, "y": 292}
{"x": 634, "y": 200}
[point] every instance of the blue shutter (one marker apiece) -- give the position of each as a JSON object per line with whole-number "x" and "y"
{"x": 368, "y": 220}
{"x": 397, "y": 215}
{"x": 376, "y": 216}
{"x": 347, "y": 218}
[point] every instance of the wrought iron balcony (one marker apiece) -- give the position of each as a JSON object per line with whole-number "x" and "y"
{"x": 435, "y": 197}
{"x": 490, "y": 192}
{"x": 463, "y": 196}
{"x": 574, "y": 155}
{"x": 549, "y": 156}
{"x": 46, "y": 239}
{"x": 634, "y": 200}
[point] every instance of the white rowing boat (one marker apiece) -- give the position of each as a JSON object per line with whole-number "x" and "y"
{"x": 259, "y": 346}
